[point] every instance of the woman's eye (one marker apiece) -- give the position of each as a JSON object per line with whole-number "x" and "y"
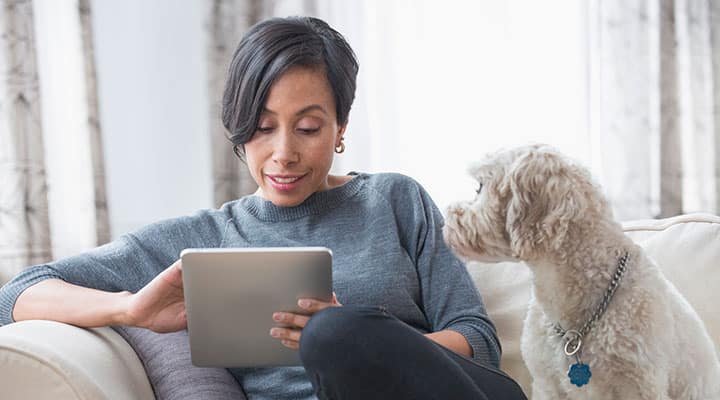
{"x": 479, "y": 189}
{"x": 308, "y": 130}
{"x": 264, "y": 129}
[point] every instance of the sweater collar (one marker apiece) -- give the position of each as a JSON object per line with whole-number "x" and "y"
{"x": 317, "y": 202}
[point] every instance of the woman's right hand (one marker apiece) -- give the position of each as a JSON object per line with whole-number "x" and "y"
{"x": 160, "y": 305}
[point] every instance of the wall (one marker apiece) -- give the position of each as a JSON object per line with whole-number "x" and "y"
{"x": 153, "y": 105}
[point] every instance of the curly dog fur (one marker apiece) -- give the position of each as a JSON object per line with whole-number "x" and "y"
{"x": 539, "y": 207}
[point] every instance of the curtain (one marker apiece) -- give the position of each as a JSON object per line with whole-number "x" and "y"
{"x": 630, "y": 88}
{"x": 52, "y": 198}
{"x": 102, "y": 220}
{"x": 654, "y": 68}
{"x": 227, "y": 21}
{"x": 24, "y": 225}
{"x": 443, "y": 83}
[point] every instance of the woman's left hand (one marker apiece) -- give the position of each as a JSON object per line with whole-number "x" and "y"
{"x": 293, "y": 324}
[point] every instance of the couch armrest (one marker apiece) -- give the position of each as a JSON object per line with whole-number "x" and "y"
{"x": 52, "y": 360}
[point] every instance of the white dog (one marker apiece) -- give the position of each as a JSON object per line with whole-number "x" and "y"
{"x": 603, "y": 322}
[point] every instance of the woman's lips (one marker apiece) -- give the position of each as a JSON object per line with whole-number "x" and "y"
{"x": 285, "y": 182}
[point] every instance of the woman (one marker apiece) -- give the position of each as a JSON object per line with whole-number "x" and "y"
{"x": 413, "y": 325}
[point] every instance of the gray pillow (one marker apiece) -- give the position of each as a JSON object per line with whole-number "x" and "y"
{"x": 166, "y": 358}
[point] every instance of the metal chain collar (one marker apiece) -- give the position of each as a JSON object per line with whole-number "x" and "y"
{"x": 575, "y": 337}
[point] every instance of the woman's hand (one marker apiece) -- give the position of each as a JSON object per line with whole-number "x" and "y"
{"x": 293, "y": 324}
{"x": 160, "y": 305}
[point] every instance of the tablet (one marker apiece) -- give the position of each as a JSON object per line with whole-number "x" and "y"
{"x": 231, "y": 294}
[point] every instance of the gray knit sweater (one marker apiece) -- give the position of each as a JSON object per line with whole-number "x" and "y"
{"x": 385, "y": 235}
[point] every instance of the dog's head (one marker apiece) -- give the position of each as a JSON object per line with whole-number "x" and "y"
{"x": 530, "y": 202}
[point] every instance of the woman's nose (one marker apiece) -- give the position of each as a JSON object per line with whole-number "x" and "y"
{"x": 285, "y": 149}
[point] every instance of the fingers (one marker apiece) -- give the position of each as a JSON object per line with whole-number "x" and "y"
{"x": 288, "y": 337}
{"x": 313, "y": 305}
{"x": 173, "y": 275}
{"x": 294, "y": 320}
{"x": 291, "y": 344}
{"x": 176, "y": 268}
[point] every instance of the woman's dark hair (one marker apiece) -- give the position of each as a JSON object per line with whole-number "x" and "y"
{"x": 270, "y": 48}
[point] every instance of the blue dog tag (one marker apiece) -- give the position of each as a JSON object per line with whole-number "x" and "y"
{"x": 579, "y": 374}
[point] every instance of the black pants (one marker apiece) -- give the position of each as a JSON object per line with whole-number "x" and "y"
{"x": 365, "y": 353}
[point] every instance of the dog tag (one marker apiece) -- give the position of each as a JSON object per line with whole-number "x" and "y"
{"x": 579, "y": 374}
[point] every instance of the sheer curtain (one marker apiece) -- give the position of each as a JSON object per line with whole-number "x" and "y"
{"x": 655, "y": 100}
{"x": 629, "y": 88}
{"x": 74, "y": 156}
{"x": 24, "y": 233}
{"x": 52, "y": 197}
{"x": 226, "y": 22}
{"x": 442, "y": 83}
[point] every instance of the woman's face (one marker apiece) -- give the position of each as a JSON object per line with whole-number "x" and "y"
{"x": 291, "y": 152}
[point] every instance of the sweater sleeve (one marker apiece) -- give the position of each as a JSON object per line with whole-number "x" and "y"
{"x": 127, "y": 263}
{"x": 450, "y": 298}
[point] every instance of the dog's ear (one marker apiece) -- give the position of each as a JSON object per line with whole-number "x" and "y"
{"x": 547, "y": 194}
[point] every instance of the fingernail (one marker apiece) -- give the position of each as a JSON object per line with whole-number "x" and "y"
{"x": 277, "y": 316}
{"x": 274, "y": 332}
{"x": 304, "y": 303}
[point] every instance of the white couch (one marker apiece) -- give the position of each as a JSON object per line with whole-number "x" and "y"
{"x": 48, "y": 360}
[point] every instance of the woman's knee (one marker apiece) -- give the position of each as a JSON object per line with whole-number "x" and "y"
{"x": 333, "y": 331}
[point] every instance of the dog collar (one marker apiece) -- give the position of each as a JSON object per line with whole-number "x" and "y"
{"x": 579, "y": 373}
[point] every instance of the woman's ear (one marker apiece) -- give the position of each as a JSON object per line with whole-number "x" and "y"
{"x": 545, "y": 198}
{"x": 340, "y": 135}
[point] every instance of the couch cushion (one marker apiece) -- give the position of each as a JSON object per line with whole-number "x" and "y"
{"x": 686, "y": 248}
{"x": 166, "y": 358}
{"x": 505, "y": 288}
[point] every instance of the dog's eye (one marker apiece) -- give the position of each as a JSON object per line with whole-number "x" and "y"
{"x": 479, "y": 189}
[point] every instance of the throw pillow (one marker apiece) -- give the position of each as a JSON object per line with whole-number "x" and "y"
{"x": 166, "y": 358}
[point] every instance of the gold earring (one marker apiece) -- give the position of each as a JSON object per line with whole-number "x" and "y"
{"x": 340, "y": 149}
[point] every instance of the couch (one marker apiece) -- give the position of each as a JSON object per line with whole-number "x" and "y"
{"x": 686, "y": 248}
{"x": 49, "y": 360}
